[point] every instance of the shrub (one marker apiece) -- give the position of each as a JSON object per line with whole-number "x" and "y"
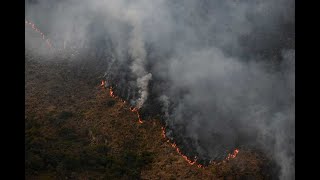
{"x": 65, "y": 115}
{"x": 111, "y": 103}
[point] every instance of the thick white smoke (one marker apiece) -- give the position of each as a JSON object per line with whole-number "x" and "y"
{"x": 138, "y": 53}
{"x": 165, "y": 100}
{"x": 226, "y": 67}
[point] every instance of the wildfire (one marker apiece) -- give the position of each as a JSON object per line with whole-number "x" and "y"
{"x": 103, "y": 83}
{"x": 33, "y": 26}
{"x": 111, "y": 92}
{"x": 137, "y": 112}
{"x": 192, "y": 162}
{"x": 163, "y": 133}
{"x": 184, "y": 157}
{"x": 233, "y": 155}
{"x": 174, "y": 145}
{"x": 133, "y": 109}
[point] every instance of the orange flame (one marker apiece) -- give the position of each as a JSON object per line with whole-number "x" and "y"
{"x": 233, "y": 155}
{"x": 178, "y": 150}
{"x": 103, "y": 83}
{"x": 137, "y": 112}
{"x": 133, "y": 109}
{"x": 33, "y": 26}
{"x": 111, "y": 92}
{"x": 163, "y": 133}
{"x": 140, "y": 121}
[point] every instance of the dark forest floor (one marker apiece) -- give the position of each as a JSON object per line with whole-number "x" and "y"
{"x": 75, "y": 130}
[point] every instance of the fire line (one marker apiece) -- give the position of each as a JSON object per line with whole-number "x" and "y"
{"x": 33, "y": 26}
{"x": 163, "y": 133}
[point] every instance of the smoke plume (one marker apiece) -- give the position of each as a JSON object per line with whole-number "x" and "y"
{"x": 222, "y": 72}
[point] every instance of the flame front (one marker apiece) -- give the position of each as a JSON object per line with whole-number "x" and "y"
{"x": 163, "y": 133}
{"x": 233, "y": 155}
{"x": 33, "y": 26}
{"x": 111, "y": 92}
{"x": 174, "y": 145}
{"x": 103, "y": 83}
{"x": 137, "y": 112}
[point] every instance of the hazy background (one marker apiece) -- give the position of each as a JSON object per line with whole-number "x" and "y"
{"x": 222, "y": 71}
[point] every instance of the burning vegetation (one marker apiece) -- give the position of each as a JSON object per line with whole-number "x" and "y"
{"x": 201, "y": 75}
{"x": 163, "y": 132}
{"x": 36, "y": 29}
{"x": 71, "y": 132}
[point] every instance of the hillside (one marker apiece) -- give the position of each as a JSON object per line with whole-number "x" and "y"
{"x": 75, "y": 130}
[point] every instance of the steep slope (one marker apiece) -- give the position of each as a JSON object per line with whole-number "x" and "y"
{"x": 76, "y": 130}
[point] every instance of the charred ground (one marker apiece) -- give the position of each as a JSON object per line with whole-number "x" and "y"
{"x": 75, "y": 130}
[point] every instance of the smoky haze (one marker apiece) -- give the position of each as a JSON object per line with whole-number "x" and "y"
{"x": 222, "y": 71}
